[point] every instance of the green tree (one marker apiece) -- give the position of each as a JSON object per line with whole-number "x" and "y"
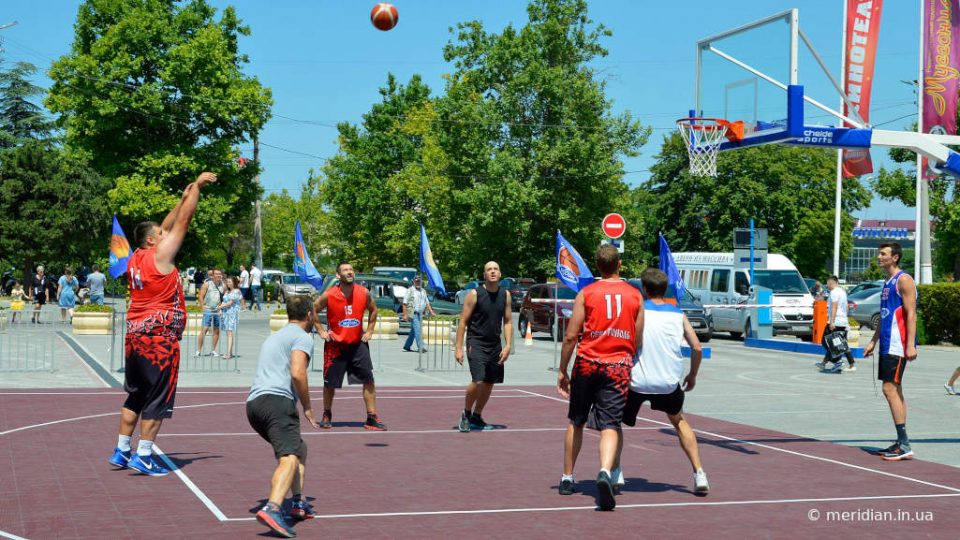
{"x": 900, "y": 185}
{"x": 21, "y": 120}
{"x": 51, "y": 206}
{"x": 280, "y": 212}
{"x": 788, "y": 190}
{"x": 151, "y": 93}
{"x": 532, "y": 142}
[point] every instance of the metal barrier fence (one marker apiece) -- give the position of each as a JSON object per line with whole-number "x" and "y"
{"x": 28, "y": 340}
{"x": 190, "y": 361}
{"x": 440, "y": 337}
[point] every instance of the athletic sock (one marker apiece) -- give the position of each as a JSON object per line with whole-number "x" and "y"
{"x": 144, "y": 448}
{"x": 123, "y": 443}
{"x": 605, "y": 471}
{"x": 296, "y": 497}
{"x": 902, "y": 435}
{"x": 467, "y": 413}
{"x": 564, "y": 477}
{"x": 371, "y": 415}
{"x": 272, "y": 507}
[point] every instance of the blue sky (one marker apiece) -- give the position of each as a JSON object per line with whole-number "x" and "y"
{"x": 324, "y": 62}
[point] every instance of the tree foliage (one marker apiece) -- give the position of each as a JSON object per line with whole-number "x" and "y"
{"x": 788, "y": 190}
{"x": 51, "y": 206}
{"x": 151, "y": 93}
{"x": 21, "y": 120}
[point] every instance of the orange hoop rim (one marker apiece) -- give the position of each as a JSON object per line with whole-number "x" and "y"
{"x": 732, "y": 130}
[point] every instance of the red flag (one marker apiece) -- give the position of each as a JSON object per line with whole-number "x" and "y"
{"x": 863, "y": 32}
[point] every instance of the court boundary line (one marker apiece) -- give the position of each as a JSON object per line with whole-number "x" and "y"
{"x": 181, "y": 392}
{"x": 784, "y": 450}
{"x": 622, "y": 506}
{"x": 191, "y": 486}
{"x": 11, "y": 536}
{"x": 388, "y": 432}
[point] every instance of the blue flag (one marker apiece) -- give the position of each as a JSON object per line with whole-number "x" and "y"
{"x": 301, "y": 262}
{"x": 669, "y": 267}
{"x": 119, "y": 250}
{"x": 427, "y": 264}
{"x": 571, "y": 270}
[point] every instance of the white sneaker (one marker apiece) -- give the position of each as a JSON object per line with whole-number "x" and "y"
{"x": 850, "y": 368}
{"x": 197, "y": 354}
{"x": 950, "y": 390}
{"x": 701, "y": 486}
{"x": 617, "y": 476}
{"x": 214, "y": 353}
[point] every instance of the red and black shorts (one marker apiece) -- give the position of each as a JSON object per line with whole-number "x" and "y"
{"x": 671, "y": 404}
{"x": 150, "y": 374}
{"x": 890, "y": 368}
{"x": 602, "y": 387}
{"x": 353, "y": 360}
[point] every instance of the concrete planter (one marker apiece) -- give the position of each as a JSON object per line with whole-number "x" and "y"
{"x": 92, "y": 323}
{"x": 277, "y": 321}
{"x": 387, "y": 328}
{"x": 438, "y": 332}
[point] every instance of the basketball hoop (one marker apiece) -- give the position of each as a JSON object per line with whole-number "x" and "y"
{"x": 703, "y": 137}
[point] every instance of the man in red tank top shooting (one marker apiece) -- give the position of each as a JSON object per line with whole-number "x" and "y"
{"x": 155, "y": 322}
{"x": 486, "y": 310}
{"x": 345, "y": 349}
{"x": 607, "y": 320}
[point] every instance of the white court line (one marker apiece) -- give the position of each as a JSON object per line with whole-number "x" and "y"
{"x": 622, "y": 506}
{"x": 11, "y": 536}
{"x": 388, "y": 432}
{"x": 245, "y": 392}
{"x": 190, "y": 485}
{"x": 775, "y": 448}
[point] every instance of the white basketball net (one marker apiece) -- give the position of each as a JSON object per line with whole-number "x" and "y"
{"x": 702, "y": 137}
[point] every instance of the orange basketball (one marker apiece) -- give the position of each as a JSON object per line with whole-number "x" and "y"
{"x": 384, "y": 16}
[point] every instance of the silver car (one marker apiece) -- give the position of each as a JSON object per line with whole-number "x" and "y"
{"x": 292, "y": 284}
{"x": 864, "y": 307}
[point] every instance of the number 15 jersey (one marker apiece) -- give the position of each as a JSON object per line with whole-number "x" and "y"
{"x": 609, "y": 336}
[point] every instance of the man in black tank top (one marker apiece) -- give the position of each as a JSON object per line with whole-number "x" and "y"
{"x": 486, "y": 310}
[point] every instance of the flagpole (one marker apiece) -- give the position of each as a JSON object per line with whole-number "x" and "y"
{"x": 839, "y": 188}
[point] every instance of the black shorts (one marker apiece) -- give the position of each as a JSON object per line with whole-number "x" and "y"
{"x": 890, "y": 369}
{"x": 598, "y": 391}
{"x": 671, "y": 404}
{"x": 40, "y": 299}
{"x": 276, "y": 419}
{"x": 484, "y": 360}
{"x": 352, "y": 360}
{"x": 150, "y": 374}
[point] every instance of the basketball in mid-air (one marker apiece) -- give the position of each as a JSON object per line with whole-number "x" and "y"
{"x": 384, "y": 16}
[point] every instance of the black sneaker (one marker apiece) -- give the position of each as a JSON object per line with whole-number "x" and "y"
{"x": 899, "y": 453}
{"x": 892, "y": 448}
{"x": 464, "y": 426}
{"x": 325, "y": 421}
{"x": 476, "y": 422}
{"x": 566, "y": 487}
{"x": 373, "y": 423}
{"x": 605, "y": 498}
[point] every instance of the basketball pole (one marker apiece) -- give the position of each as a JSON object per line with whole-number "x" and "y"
{"x": 839, "y": 191}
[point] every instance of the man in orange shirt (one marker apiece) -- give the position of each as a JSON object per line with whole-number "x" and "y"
{"x": 607, "y": 320}
{"x": 155, "y": 322}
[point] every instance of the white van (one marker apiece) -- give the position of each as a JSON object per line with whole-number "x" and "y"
{"x": 713, "y": 277}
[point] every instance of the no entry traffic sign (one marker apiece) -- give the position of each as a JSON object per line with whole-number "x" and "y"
{"x": 614, "y": 225}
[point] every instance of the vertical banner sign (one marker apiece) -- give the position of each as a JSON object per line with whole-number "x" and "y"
{"x": 941, "y": 56}
{"x": 863, "y": 32}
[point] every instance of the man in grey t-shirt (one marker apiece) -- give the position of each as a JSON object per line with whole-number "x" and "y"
{"x": 281, "y": 381}
{"x": 95, "y": 282}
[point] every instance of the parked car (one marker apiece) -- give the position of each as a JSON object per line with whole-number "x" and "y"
{"x": 542, "y": 312}
{"x": 866, "y": 285}
{"x": 518, "y": 289}
{"x": 403, "y": 272}
{"x": 701, "y": 319}
{"x": 864, "y": 307}
{"x": 288, "y": 284}
{"x": 462, "y": 293}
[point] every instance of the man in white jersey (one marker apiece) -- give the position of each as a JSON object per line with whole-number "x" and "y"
{"x": 837, "y": 322}
{"x": 658, "y": 370}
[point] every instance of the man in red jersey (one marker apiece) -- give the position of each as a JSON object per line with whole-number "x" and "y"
{"x": 155, "y": 322}
{"x": 346, "y": 350}
{"x": 607, "y": 321}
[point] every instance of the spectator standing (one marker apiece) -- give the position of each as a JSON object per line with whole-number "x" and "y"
{"x": 255, "y": 283}
{"x": 244, "y": 287}
{"x": 837, "y": 322}
{"x": 414, "y": 304}
{"x": 230, "y": 312}
{"x": 17, "y": 300}
{"x": 96, "y": 281}
{"x": 67, "y": 287}
{"x": 210, "y": 297}
{"x": 40, "y": 292}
